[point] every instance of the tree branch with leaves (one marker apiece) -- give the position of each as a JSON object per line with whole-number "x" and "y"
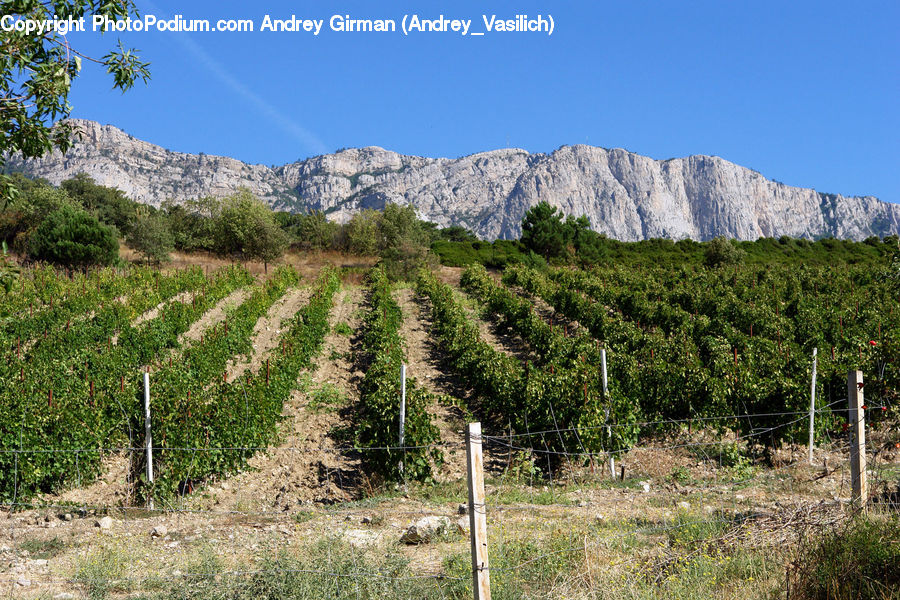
{"x": 37, "y": 71}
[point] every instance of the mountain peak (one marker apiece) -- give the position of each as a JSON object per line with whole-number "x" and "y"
{"x": 625, "y": 195}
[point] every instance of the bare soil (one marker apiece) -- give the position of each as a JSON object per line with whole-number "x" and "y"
{"x": 267, "y": 332}
{"x": 425, "y": 360}
{"x": 306, "y": 467}
{"x": 213, "y": 316}
{"x": 112, "y": 488}
{"x": 450, "y": 275}
{"x": 183, "y": 297}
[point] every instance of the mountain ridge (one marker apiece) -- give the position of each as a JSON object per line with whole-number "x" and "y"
{"x": 625, "y": 195}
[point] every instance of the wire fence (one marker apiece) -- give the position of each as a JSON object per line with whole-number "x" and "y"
{"x": 550, "y": 517}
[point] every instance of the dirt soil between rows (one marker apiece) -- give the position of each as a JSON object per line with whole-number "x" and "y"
{"x": 183, "y": 297}
{"x": 425, "y": 364}
{"x": 306, "y": 466}
{"x": 213, "y": 316}
{"x": 267, "y": 332}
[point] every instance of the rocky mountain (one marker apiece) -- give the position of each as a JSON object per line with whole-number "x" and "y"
{"x": 624, "y": 195}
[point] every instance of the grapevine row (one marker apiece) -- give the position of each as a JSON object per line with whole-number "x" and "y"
{"x": 699, "y": 368}
{"x": 379, "y": 418}
{"x": 91, "y": 314}
{"x": 214, "y": 431}
{"x": 55, "y": 423}
{"x": 528, "y": 398}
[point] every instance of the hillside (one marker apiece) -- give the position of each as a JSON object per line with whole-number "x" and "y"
{"x": 265, "y": 392}
{"x": 625, "y": 195}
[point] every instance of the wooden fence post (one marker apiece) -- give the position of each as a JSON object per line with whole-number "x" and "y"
{"x": 148, "y": 435}
{"x": 812, "y": 406}
{"x": 857, "y": 437}
{"x": 481, "y": 581}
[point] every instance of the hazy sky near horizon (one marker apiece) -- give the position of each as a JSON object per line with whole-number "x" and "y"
{"x": 804, "y": 92}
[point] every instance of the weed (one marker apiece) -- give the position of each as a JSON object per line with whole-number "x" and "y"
{"x": 680, "y": 475}
{"x": 101, "y": 571}
{"x": 860, "y": 560}
{"x": 205, "y": 566}
{"x": 522, "y": 468}
{"x": 320, "y": 572}
{"x": 688, "y": 530}
{"x": 43, "y": 549}
{"x": 326, "y": 398}
{"x": 303, "y": 516}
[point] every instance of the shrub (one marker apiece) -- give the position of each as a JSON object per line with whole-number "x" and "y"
{"x": 72, "y": 237}
{"x": 247, "y": 227}
{"x": 403, "y": 242}
{"x": 152, "y": 237}
{"x": 721, "y": 252}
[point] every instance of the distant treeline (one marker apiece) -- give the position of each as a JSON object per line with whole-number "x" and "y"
{"x": 783, "y": 250}
{"x": 80, "y": 223}
{"x": 549, "y": 236}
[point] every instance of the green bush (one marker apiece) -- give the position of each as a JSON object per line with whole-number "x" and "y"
{"x": 152, "y": 237}
{"x": 721, "y": 252}
{"x": 403, "y": 243}
{"x": 498, "y": 253}
{"x": 72, "y": 237}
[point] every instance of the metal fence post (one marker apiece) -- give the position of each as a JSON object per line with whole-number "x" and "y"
{"x": 812, "y": 407}
{"x": 148, "y": 435}
{"x": 612, "y": 461}
{"x": 402, "y": 411}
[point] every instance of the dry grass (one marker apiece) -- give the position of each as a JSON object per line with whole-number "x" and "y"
{"x": 308, "y": 264}
{"x": 580, "y": 538}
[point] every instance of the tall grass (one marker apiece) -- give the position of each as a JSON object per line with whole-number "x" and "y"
{"x": 860, "y": 560}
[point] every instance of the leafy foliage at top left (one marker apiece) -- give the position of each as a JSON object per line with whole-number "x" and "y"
{"x": 37, "y": 70}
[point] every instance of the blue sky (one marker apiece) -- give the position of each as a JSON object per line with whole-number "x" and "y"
{"x": 804, "y": 92}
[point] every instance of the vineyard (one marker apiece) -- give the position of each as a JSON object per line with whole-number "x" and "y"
{"x": 277, "y": 408}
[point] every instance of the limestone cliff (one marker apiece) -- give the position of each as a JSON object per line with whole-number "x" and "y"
{"x": 624, "y": 195}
